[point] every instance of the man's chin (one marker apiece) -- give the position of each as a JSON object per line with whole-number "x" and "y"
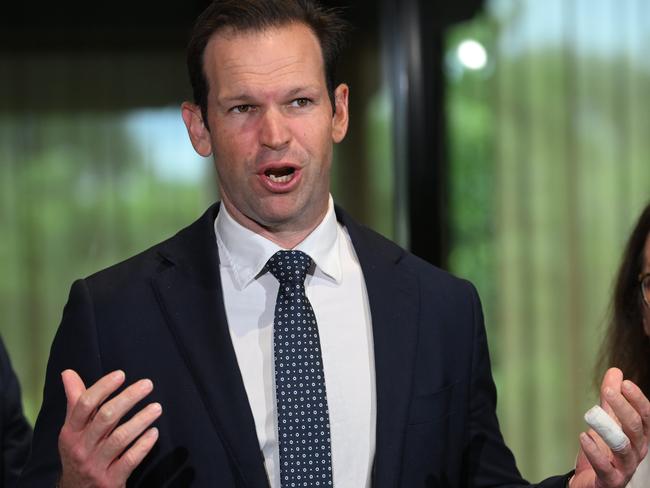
{"x": 282, "y": 221}
{"x": 280, "y": 210}
{"x": 279, "y": 213}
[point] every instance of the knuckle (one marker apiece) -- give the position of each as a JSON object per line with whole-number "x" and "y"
{"x": 127, "y": 397}
{"x": 635, "y": 424}
{"x": 106, "y": 414}
{"x": 645, "y": 413}
{"x": 130, "y": 459}
{"x": 610, "y": 395}
{"x": 119, "y": 438}
{"x": 78, "y": 453}
{"x": 86, "y": 402}
{"x": 64, "y": 437}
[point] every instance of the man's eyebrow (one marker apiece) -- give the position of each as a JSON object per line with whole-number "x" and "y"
{"x": 235, "y": 98}
{"x": 301, "y": 89}
{"x": 244, "y": 96}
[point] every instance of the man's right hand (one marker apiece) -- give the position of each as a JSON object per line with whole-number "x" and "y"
{"x": 93, "y": 448}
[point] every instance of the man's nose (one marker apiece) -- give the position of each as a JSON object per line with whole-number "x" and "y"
{"x": 274, "y": 131}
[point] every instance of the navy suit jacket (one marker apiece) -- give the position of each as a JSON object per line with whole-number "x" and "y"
{"x": 160, "y": 315}
{"x": 15, "y": 431}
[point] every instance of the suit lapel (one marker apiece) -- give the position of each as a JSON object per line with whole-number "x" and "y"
{"x": 190, "y": 295}
{"x": 394, "y": 303}
{"x": 189, "y": 290}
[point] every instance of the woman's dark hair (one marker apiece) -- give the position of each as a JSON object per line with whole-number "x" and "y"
{"x": 626, "y": 345}
{"x": 259, "y": 15}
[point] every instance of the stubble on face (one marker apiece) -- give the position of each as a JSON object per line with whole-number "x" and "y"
{"x": 272, "y": 129}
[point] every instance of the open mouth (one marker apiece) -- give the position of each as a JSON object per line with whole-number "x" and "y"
{"x": 280, "y": 175}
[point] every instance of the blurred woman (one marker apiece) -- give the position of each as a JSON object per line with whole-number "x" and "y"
{"x": 627, "y": 344}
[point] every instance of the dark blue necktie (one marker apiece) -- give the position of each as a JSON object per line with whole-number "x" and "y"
{"x": 303, "y": 416}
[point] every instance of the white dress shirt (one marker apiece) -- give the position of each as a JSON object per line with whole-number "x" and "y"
{"x": 641, "y": 478}
{"x": 338, "y": 296}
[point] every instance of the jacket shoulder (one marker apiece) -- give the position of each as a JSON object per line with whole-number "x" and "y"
{"x": 187, "y": 245}
{"x": 429, "y": 275}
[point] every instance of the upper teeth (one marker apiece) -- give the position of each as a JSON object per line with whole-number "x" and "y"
{"x": 280, "y": 179}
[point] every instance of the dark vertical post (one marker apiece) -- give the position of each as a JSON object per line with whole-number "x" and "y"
{"x": 426, "y": 136}
{"x": 414, "y": 31}
{"x": 414, "y": 56}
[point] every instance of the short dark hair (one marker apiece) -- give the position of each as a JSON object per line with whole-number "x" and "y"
{"x": 258, "y": 15}
{"x": 626, "y": 346}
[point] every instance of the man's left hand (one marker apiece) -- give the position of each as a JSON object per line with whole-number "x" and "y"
{"x": 597, "y": 465}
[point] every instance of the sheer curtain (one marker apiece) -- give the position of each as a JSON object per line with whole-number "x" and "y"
{"x": 549, "y": 145}
{"x": 95, "y": 166}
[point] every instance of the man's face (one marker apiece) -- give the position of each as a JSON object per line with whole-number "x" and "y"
{"x": 272, "y": 127}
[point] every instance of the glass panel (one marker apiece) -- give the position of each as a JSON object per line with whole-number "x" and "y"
{"x": 549, "y": 172}
{"x": 81, "y": 191}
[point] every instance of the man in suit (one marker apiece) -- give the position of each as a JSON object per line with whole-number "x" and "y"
{"x": 407, "y": 390}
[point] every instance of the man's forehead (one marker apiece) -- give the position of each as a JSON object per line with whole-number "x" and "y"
{"x": 272, "y": 54}
{"x": 291, "y": 35}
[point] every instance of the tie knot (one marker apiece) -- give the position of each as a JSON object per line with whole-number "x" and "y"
{"x": 289, "y": 266}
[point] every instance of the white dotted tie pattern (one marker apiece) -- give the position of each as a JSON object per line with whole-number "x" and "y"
{"x": 303, "y": 416}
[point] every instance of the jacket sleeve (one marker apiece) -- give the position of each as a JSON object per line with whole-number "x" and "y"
{"x": 16, "y": 431}
{"x": 75, "y": 347}
{"x": 489, "y": 461}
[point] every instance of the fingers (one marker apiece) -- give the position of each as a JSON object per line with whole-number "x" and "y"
{"x": 124, "y": 466}
{"x": 111, "y": 412}
{"x": 613, "y": 380}
{"x": 627, "y": 415}
{"x": 599, "y": 460}
{"x": 92, "y": 398}
{"x": 95, "y": 450}
{"x": 126, "y": 433}
{"x": 625, "y": 402}
{"x": 641, "y": 404}
{"x": 73, "y": 387}
{"x": 632, "y": 409}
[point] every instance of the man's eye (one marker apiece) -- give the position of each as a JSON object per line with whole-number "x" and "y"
{"x": 241, "y": 109}
{"x": 300, "y": 102}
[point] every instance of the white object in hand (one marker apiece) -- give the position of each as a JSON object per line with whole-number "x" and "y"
{"x": 607, "y": 428}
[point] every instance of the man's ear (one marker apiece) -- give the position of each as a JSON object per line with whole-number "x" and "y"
{"x": 341, "y": 117}
{"x": 196, "y": 129}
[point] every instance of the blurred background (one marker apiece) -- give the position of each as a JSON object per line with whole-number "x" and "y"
{"x": 504, "y": 140}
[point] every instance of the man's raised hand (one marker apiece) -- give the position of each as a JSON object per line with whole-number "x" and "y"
{"x": 599, "y": 466}
{"x": 92, "y": 446}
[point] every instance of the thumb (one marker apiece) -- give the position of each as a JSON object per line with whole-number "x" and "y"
{"x": 74, "y": 387}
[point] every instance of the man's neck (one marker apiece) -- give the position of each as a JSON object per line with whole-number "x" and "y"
{"x": 285, "y": 236}
{"x": 286, "y": 239}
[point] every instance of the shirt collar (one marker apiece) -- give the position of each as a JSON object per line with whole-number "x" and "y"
{"x": 246, "y": 252}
